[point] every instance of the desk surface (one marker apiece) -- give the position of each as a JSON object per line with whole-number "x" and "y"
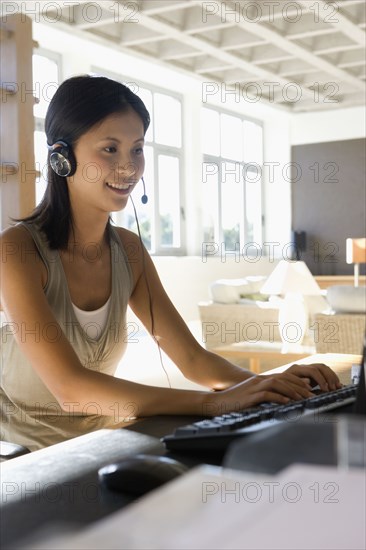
{"x": 60, "y": 483}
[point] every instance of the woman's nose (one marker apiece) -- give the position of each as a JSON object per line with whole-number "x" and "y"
{"x": 126, "y": 169}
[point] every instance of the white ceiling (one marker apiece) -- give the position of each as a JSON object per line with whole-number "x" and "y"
{"x": 301, "y": 56}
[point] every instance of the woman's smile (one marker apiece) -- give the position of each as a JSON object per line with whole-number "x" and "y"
{"x": 121, "y": 188}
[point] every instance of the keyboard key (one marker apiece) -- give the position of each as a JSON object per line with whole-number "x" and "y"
{"x": 190, "y": 429}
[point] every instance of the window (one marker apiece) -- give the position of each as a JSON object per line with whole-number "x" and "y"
{"x": 231, "y": 179}
{"x": 160, "y": 220}
{"x": 46, "y": 78}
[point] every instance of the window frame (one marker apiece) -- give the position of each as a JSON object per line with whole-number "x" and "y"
{"x": 219, "y": 160}
{"x": 159, "y": 149}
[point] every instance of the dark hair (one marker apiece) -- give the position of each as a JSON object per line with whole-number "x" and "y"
{"x": 78, "y": 104}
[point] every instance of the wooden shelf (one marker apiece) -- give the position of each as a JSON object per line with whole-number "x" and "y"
{"x": 8, "y": 169}
{"x": 5, "y": 34}
{"x": 8, "y": 89}
{"x": 17, "y": 189}
{"x": 11, "y": 170}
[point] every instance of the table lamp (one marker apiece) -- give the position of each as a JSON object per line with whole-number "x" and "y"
{"x": 292, "y": 280}
{"x": 356, "y": 254}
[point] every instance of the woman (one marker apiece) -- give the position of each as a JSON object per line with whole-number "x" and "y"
{"x": 66, "y": 267}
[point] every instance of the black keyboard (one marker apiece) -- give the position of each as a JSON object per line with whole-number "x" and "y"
{"x": 216, "y": 433}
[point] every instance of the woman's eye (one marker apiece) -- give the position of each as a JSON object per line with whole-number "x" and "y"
{"x": 139, "y": 151}
{"x": 110, "y": 149}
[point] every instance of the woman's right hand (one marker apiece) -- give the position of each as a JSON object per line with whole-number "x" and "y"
{"x": 275, "y": 388}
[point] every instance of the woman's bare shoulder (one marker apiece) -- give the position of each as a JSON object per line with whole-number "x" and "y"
{"x": 17, "y": 248}
{"x": 16, "y": 233}
{"x": 15, "y": 240}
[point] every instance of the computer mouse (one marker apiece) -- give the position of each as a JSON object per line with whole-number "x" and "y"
{"x": 140, "y": 474}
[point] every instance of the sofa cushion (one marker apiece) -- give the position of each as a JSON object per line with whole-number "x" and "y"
{"x": 230, "y": 291}
{"x": 347, "y": 299}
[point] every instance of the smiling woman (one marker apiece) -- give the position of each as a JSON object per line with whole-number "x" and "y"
{"x": 68, "y": 275}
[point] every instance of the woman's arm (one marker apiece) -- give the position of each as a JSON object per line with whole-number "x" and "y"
{"x": 174, "y": 337}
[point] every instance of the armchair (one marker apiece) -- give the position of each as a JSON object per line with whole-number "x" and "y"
{"x": 342, "y": 329}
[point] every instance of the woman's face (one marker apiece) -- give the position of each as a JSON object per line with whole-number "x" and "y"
{"x": 110, "y": 162}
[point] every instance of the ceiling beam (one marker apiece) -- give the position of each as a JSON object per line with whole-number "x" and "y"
{"x": 206, "y": 47}
{"x": 297, "y": 50}
{"x": 338, "y": 20}
{"x": 156, "y": 7}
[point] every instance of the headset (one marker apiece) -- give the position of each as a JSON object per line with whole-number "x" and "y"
{"x": 62, "y": 159}
{"x": 63, "y": 162}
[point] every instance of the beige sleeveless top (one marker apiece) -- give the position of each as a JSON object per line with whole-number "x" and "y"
{"x": 30, "y": 414}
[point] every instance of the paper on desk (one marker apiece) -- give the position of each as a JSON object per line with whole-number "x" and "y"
{"x": 307, "y": 507}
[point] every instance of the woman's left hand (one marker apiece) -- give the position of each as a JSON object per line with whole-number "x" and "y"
{"x": 317, "y": 373}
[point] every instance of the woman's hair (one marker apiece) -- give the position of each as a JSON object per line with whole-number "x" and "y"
{"x": 78, "y": 104}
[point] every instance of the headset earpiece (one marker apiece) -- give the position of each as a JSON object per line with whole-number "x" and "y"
{"x": 62, "y": 159}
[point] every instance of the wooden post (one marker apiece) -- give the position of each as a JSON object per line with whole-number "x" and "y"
{"x": 17, "y": 174}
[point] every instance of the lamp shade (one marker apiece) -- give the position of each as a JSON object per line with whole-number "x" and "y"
{"x": 290, "y": 276}
{"x": 356, "y": 251}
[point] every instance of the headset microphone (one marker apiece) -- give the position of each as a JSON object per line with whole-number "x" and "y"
{"x": 144, "y": 197}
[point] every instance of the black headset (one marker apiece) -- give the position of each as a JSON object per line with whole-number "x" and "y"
{"x": 62, "y": 159}
{"x": 63, "y": 162}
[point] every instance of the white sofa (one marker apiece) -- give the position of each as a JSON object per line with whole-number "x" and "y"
{"x": 238, "y": 312}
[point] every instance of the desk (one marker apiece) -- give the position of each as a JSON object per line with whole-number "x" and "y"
{"x": 60, "y": 484}
{"x": 256, "y": 351}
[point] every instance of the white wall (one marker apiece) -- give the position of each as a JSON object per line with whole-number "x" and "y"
{"x": 333, "y": 125}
